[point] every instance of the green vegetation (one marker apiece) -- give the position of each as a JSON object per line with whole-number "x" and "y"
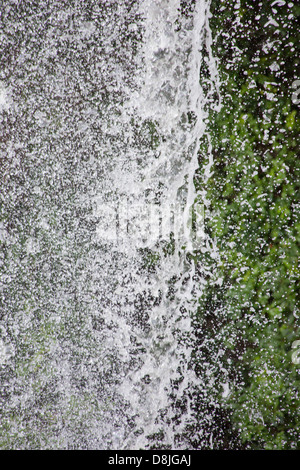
{"x": 254, "y": 195}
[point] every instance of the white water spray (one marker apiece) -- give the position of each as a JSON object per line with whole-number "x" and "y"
{"x": 113, "y": 150}
{"x": 168, "y": 93}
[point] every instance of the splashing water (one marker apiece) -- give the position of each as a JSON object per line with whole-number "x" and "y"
{"x": 104, "y": 112}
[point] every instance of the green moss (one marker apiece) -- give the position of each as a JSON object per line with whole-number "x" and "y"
{"x": 254, "y": 193}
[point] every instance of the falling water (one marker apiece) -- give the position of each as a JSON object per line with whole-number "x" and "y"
{"x": 103, "y": 112}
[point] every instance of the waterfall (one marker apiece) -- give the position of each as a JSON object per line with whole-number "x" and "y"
{"x": 104, "y": 113}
